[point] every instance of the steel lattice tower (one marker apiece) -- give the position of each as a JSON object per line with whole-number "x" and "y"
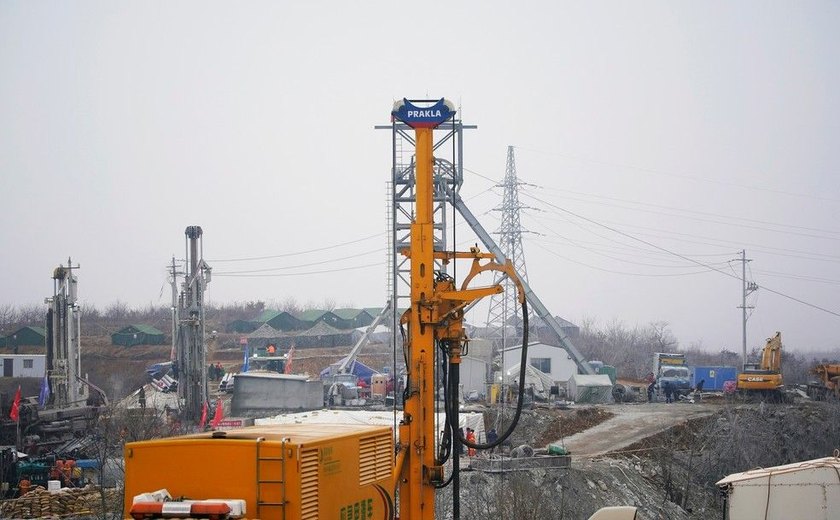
{"x": 504, "y": 308}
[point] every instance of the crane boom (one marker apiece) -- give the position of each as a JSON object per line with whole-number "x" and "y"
{"x": 530, "y": 295}
{"x": 345, "y": 365}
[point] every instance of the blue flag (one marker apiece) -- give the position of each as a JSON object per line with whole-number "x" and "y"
{"x": 44, "y": 395}
{"x": 247, "y": 361}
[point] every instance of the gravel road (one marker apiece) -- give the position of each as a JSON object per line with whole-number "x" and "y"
{"x": 632, "y": 423}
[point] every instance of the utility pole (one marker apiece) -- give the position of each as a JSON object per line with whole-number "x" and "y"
{"x": 747, "y": 288}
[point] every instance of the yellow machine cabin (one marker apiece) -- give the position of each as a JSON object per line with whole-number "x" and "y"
{"x": 766, "y": 376}
{"x": 291, "y": 472}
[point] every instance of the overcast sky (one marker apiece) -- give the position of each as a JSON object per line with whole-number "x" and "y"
{"x": 701, "y": 128}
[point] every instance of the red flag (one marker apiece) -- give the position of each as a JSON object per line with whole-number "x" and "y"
{"x": 203, "y": 420}
{"x": 15, "y": 412}
{"x": 219, "y": 415}
{"x": 288, "y": 368}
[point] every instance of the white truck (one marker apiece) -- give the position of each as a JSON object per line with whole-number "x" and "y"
{"x": 671, "y": 369}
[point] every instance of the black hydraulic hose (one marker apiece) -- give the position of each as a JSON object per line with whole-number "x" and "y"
{"x": 452, "y": 414}
{"x": 454, "y": 374}
{"x": 445, "y": 447}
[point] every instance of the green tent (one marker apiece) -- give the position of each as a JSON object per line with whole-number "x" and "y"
{"x": 25, "y": 336}
{"x": 138, "y": 335}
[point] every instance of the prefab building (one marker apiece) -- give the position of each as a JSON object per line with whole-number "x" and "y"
{"x": 713, "y": 377}
{"x": 551, "y": 360}
{"x": 23, "y": 365}
{"x": 256, "y": 393}
{"x": 473, "y": 376}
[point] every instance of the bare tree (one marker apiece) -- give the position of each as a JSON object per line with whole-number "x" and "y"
{"x": 31, "y": 314}
{"x": 116, "y": 311}
{"x": 8, "y": 316}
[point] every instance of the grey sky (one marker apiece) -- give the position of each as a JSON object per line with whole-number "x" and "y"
{"x": 674, "y": 122}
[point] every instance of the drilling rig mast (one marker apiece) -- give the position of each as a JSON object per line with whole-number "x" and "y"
{"x": 188, "y": 315}
{"x": 63, "y": 324}
{"x": 435, "y": 321}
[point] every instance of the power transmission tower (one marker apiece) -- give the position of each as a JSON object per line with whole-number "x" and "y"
{"x": 747, "y": 289}
{"x": 504, "y": 308}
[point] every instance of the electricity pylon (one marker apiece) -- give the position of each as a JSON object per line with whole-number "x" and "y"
{"x": 504, "y": 308}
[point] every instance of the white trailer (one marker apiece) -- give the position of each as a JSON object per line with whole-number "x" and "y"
{"x": 809, "y": 489}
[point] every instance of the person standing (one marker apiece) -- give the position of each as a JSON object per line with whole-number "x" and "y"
{"x": 698, "y": 390}
{"x": 492, "y": 437}
{"x": 669, "y": 391}
{"x": 471, "y": 438}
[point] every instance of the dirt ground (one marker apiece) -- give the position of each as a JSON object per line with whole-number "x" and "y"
{"x": 631, "y": 423}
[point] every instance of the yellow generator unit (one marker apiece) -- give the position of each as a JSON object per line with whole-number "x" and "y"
{"x": 290, "y": 472}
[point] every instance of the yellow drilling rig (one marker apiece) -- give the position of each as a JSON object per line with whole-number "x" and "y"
{"x": 349, "y": 472}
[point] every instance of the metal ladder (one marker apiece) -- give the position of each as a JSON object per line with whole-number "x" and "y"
{"x": 261, "y": 481}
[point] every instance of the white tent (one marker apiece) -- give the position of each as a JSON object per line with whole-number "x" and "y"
{"x": 534, "y": 378}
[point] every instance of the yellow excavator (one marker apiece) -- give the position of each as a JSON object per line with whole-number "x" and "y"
{"x": 765, "y": 378}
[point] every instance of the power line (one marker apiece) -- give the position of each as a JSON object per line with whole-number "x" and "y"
{"x": 733, "y": 223}
{"x": 804, "y": 278}
{"x": 354, "y": 268}
{"x": 672, "y": 235}
{"x": 688, "y": 177}
{"x": 595, "y": 251}
{"x": 649, "y": 275}
{"x": 757, "y": 221}
{"x": 311, "y": 264}
{"x": 283, "y": 255}
{"x": 778, "y": 293}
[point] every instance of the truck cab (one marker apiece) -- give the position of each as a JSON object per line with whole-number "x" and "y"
{"x": 678, "y": 376}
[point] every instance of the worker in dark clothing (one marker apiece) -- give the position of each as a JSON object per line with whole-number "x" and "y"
{"x": 669, "y": 391}
{"x": 650, "y": 390}
{"x": 141, "y": 396}
{"x": 492, "y": 437}
{"x": 698, "y": 390}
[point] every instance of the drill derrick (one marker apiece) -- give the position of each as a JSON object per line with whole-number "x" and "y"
{"x": 434, "y": 318}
